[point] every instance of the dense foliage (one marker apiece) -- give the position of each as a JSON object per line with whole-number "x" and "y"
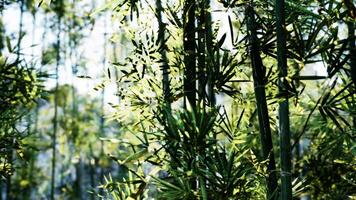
{"x": 210, "y": 100}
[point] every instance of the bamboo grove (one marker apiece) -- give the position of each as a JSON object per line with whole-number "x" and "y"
{"x": 162, "y": 99}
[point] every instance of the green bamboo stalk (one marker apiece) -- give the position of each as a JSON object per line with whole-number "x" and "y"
{"x": 34, "y": 20}
{"x": 189, "y": 50}
{"x": 102, "y": 99}
{"x": 9, "y": 194}
{"x": 22, "y": 9}
{"x": 263, "y": 118}
{"x": 74, "y": 114}
{"x": 43, "y": 37}
{"x": 92, "y": 172}
{"x": 165, "y": 65}
{"x": 25, "y": 172}
{"x": 37, "y": 108}
{"x": 284, "y": 132}
{"x": 55, "y": 123}
{"x": 33, "y": 158}
{"x": 202, "y": 182}
{"x": 115, "y": 60}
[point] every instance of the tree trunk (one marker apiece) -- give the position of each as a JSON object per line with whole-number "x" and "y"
{"x": 259, "y": 83}
{"x": 284, "y": 132}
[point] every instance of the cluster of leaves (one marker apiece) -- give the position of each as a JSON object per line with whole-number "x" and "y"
{"x": 185, "y": 160}
{"x": 20, "y": 87}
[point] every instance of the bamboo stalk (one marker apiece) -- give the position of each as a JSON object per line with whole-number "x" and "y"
{"x": 55, "y": 124}
{"x": 189, "y": 50}
{"x": 102, "y": 99}
{"x": 284, "y": 132}
{"x": 201, "y": 22}
{"x": 352, "y": 51}
{"x": 209, "y": 47}
{"x": 22, "y": 8}
{"x": 351, "y": 37}
{"x": 165, "y": 65}
{"x": 263, "y": 118}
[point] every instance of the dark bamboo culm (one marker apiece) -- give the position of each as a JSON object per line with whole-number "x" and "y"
{"x": 201, "y": 74}
{"x": 165, "y": 65}
{"x": 190, "y": 53}
{"x": 352, "y": 51}
{"x": 284, "y": 132}
{"x": 351, "y": 37}
{"x": 258, "y": 71}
